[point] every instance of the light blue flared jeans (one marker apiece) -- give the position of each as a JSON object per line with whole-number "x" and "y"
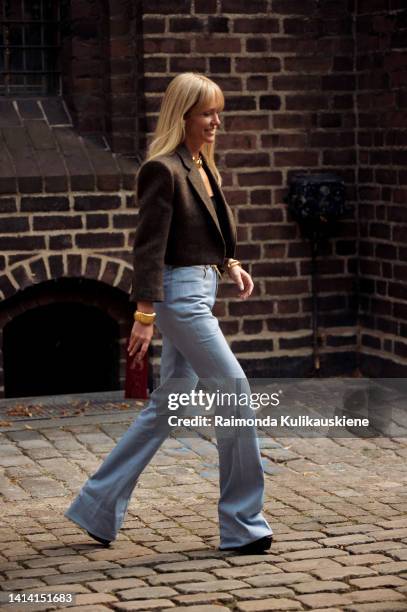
{"x": 193, "y": 348}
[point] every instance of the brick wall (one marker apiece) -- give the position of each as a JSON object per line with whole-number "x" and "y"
{"x": 286, "y": 68}
{"x": 304, "y": 92}
{"x": 381, "y": 71}
{"x": 100, "y": 56}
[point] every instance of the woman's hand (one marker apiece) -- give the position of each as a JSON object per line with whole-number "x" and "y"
{"x": 243, "y": 280}
{"x": 140, "y": 339}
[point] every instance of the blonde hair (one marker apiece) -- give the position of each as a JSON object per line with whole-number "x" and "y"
{"x": 185, "y": 91}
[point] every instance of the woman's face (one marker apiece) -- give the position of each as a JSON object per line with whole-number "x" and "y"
{"x": 201, "y": 125}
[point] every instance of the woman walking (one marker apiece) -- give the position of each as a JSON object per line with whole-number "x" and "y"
{"x": 185, "y": 238}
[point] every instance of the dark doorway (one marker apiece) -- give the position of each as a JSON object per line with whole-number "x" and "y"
{"x": 65, "y": 347}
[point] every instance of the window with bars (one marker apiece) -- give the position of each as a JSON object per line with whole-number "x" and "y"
{"x": 30, "y": 40}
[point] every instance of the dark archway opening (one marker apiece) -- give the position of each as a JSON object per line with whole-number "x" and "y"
{"x": 65, "y": 347}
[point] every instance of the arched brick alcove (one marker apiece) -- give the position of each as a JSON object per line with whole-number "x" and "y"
{"x": 64, "y": 328}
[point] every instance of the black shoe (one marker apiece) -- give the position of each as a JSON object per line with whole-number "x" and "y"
{"x": 254, "y": 548}
{"x": 98, "y": 539}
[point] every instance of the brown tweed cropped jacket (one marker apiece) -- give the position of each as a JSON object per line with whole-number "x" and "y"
{"x": 177, "y": 222}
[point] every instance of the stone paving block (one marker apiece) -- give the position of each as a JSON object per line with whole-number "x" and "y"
{"x": 389, "y": 534}
{"x": 266, "y": 605}
{"x": 319, "y": 586}
{"x": 392, "y": 606}
{"x": 21, "y": 583}
{"x": 393, "y": 523}
{"x": 192, "y": 565}
{"x": 94, "y": 598}
{"x": 355, "y": 538}
{"x": 76, "y": 577}
{"x": 327, "y": 610}
{"x": 145, "y": 604}
{"x": 174, "y": 577}
{"x": 244, "y": 571}
{"x": 117, "y": 553}
{"x": 11, "y": 491}
{"x": 332, "y": 573}
{"x": 394, "y": 567}
{"x": 214, "y": 585}
{"x": 24, "y": 607}
{"x": 316, "y": 553}
{"x": 348, "y": 529}
{"x": 31, "y": 573}
{"x": 203, "y": 598}
{"x": 263, "y": 592}
{"x": 173, "y": 547}
{"x": 8, "y": 565}
{"x": 67, "y": 444}
{"x": 56, "y": 561}
{"x": 375, "y": 547}
{"x": 252, "y": 559}
{"x": 130, "y": 572}
{"x": 42, "y": 487}
{"x": 377, "y": 595}
{"x": 107, "y": 586}
{"x": 320, "y": 600}
{"x": 155, "y": 559}
{"x": 62, "y": 588}
{"x": 16, "y": 459}
{"x": 153, "y": 592}
{"x": 378, "y": 581}
{"x": 91, "y": 608}
{"x": 367, "y": 559}
{"x": 283, "y": 547}
{"x": 299, "y": 535}
{"x": 307, "y": 565}
{"x": 35, "y": 443}
{"x": 201, "y": 608}
{"x": 399, "y": 555}
{"x": 70, "y": 568}
{"x": 38, "y": 538}
{"x": 278, "y": 579}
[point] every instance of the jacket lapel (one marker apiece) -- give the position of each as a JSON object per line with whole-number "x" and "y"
{"x": 197, "y": 183}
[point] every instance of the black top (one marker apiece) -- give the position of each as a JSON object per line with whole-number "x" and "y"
{"x": 220, "y": 214}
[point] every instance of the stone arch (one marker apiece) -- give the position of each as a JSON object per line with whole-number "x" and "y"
{"x": 47, "y": 280}
{"x": 49, "y": 266}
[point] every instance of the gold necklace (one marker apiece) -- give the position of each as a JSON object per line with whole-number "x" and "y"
{"x": 197, "y": 160}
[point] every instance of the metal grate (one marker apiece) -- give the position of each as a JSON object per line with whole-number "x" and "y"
{"x": 30, "y": 39}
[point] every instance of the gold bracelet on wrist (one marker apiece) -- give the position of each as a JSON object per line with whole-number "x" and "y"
{"x": 145, "y": 318}
{"x": 233, "y": 262}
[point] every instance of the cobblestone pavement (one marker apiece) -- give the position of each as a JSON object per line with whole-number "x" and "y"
{"x": 337, "y": 507}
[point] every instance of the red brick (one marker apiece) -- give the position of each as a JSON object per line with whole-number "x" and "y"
{"x": 244, "y": 160}
{"x": 218, "y": 45}
{"x": 258, "y": 64}
{"x": 166, "y": 45}
{"x": 22, "y": 243}
{"x": 293, "y": 7}
{"x": 246, "y": 123}
{"x": 241, "y": 6}
{"x": 153, "y": 26}
{"x": 99, "y": 240}
{"x": 256, "y": 45}
{"x": 96, "y": 202}
{"x": 205, "y": 6}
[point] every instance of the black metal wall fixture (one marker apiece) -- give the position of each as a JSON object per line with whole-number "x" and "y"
{"x": 316, "y": 202}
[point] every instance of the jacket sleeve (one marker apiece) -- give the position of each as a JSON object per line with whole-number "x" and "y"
{"x": 155, "y": 190}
